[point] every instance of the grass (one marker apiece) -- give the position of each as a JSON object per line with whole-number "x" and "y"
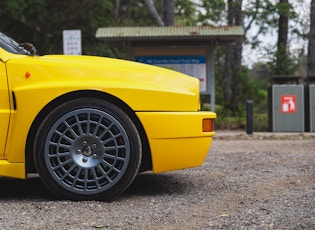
{"x": 225, "y": 121}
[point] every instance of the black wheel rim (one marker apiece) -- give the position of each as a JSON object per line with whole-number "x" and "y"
{"x": 87, "y": 151}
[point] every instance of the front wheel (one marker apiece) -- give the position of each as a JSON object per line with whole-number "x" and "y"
{"x": 87, "y": 149}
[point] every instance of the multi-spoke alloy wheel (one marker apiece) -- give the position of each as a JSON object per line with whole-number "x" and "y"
{"x": 87, "y": 150}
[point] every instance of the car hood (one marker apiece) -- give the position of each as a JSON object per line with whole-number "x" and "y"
{"x": 159, "y": 87}
{"x": 127, "y": 70}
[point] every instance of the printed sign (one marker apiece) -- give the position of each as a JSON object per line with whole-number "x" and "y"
{"x": 72, "y": 42}
{"x": 288, "y": 103}
{"x": 191, "y": 65}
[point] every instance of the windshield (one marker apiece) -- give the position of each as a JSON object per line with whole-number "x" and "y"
{"x": 10, "y": 45}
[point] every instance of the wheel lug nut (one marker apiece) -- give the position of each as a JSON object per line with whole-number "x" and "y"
{"x": 94, "y": 146}
{"x": 84, "y": 142}
{"x": 94, "y": 156}
{"x": 78, "y": 151}
{"x": 84, "y": 159}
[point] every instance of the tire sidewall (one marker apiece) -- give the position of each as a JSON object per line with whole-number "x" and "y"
{"x": 134, "y": 139}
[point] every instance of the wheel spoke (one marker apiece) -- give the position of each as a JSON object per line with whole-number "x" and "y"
{"x": 86, "y": 179}
{"x": 71, "y": 130}
{"x": 113, "y": 157}
{"x": 88, "y": 124}
{"x": 106, "y": 131}
{"x": 60, "y": 145}
{"x": 97, "y": 127}
{"x": 88, "y": 150}
{"x": 76, "y": 178}
{"x": 68, "y": 172}
{"x": 104, "y": 174}
{"x": 78, "y": 122}
{"x": 95, "y": 178}
{"x": 61, "y": 164}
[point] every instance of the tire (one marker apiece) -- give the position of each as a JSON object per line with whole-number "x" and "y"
{"x": 87, "y": 149}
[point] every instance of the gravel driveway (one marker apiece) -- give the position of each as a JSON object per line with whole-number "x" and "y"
{"x": 247, "y": 182}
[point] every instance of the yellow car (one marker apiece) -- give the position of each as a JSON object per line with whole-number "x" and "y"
{"x": 88, "y": 125}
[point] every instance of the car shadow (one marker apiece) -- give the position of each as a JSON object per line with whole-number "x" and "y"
{"x": 145, "y": 184}
{"x": 17, "y": 189}
{"x": 148, "y": 184}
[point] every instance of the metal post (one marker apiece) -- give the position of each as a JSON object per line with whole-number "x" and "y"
{"x": 211, "y": 77}
{"x": 249, "y": 117}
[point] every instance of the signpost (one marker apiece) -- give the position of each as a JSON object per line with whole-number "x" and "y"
{"x": 72, "y": 42}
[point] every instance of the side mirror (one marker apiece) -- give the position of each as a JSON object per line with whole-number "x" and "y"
{"x": 30, "y": 48}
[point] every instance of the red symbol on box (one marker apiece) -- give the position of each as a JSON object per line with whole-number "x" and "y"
{"x": 288, "y": 103}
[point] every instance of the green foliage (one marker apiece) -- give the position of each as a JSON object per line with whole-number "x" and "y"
{"x": 185, "y": 13}
{"x": 260, "y": 122}
{"x": 134, "y": 13}
{"x": 42, "y": 21}
{"x": 280, "y": 64}
{"x": 254, "y": 87}
{"x": 21, "y": 10}
{"x": 211, "y": 12}
{"x": 226, "y": 120}
{"x": 285, "y": 8}
{"x": 264, "y": 14}
{"x": 204, "y": 12}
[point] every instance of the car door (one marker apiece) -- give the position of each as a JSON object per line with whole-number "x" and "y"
{"x": 4, "y": 108}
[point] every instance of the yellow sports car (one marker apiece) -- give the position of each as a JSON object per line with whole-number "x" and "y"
{"x": 88, "y": 125}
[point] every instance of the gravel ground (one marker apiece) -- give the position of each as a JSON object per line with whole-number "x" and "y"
{"x": 247, "y": 182}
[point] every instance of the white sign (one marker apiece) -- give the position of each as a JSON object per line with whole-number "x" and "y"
{"x": 72, "y": 42}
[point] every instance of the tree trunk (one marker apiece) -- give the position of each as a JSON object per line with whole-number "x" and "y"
{"x": 232, "y": 85}
{"x": 281, "y": 55}
{"x": 169, "y": 12}
{"x": 237, "y": 59}
{"x": 117, "y": 6}
{"x": 153, "y": 12}
{"x": 227, "y": 75}
{"x": 311, "y": 46}
{"x": 239, "y": 42}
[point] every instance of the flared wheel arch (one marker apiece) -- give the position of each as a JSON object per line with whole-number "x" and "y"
{"x": 146, "y": 163}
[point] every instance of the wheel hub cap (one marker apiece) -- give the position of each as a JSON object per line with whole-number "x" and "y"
{"x": 87, "y": 151}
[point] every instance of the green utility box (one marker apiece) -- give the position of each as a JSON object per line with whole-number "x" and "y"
{"x": 288, "y": 108}
{"x": 312, "y": 108}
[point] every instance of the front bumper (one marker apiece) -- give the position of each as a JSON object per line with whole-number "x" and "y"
{"x": 177, "y": 139}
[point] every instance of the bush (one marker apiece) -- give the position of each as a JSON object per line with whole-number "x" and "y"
{"x": 260, "y": 122}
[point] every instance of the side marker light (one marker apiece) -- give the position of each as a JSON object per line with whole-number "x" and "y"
{"x": 208, "y": 125}
{"x": 27, "y": 74}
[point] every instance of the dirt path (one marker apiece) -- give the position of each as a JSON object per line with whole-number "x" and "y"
{"x": 259, "y": 182}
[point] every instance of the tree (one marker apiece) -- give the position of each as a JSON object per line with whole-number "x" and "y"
{"x": 169, "y": 12}
{"x": 281, "y": 53}
{"x": 42, "y": 21}
{"x": 237, "y": 59}
{"x": 127, "y": 13}
{"x": 277, "y": 18}
{"x": 233, "y": 59}
{"x": 211, "y": 12}
{"x": 311, "y": 45}
{"x": 132, "y": 13}
{"x": 153, "y": 12}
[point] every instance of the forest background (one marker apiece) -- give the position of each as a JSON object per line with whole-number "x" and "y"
{"x": 279, "y": 39}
